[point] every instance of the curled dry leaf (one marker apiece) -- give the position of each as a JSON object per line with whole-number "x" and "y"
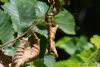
{"x": 5, "y": 59}
{"x": 24, "y": 55}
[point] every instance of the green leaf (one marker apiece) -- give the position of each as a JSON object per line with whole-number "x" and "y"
{"x": 21, "y": 12}
{"x": 67, "y": 44}
{"x": 6, "y": 30}
{"x": 84, "y": 55}
{"x": 49, "y": 61}
{"x": 66, "y": 22}
{"x": 39, "y": 63}
{"x": 41, "y": 30}
{"x": 4, "y": 1}
{"x": 72, "y": 62}
{"x": 83, "y": 44}
{"x": 96, "y": 41}
{"x": 41, "y": 9}
{"x": 64, "y": 2}
{"x": 93, "y": 64}
{"x": 12, "y": 10}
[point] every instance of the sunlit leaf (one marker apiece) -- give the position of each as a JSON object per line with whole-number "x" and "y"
{"x": 72, "y": 62}
{"x": 96, "y": 41}
{"x": 4, "y": 1}
{"x": 84, "y": 55}
{"x": 83, "y": 44}
{"x": 67, "y": 44}
{"x": 66, "y": 22}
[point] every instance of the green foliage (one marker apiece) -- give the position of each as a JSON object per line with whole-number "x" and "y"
{"x": 67, "y": 44}
{"x": 22, "y": 13}
{"x": 49, "y": 61}
{"x": 72, "y": 62}
{"x": 80, "y": 50}
{"x": 66, "y": 22}
{"x": 41, "y": 9}
{"x": 19, "y": 15}
{"x": 6, "y": 30}
{"x": 96, "y": 41}
{"x": 73, "y": 45}
{"x": 4, "y": 1}
{"x": 84, "y": 55}
{"x": 39, "y": 64}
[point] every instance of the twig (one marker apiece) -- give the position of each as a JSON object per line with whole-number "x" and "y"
{"x": 13, "y": 41}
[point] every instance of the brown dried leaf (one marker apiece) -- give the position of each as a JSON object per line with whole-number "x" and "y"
{"x": 5, "y": 59}
{"x": 27, "y": 54}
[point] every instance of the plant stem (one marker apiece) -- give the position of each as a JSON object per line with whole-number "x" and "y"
{"x": 20, "y": 36}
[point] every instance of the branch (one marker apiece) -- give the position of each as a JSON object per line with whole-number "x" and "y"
{"x": 13, "y": 41}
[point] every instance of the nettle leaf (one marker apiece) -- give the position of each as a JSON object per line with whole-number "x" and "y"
{"x": 6, "y": 30}
{"x": 67, "y": 44}
{"x": 65, "y": 21}
{"x": 21, "y": 12}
